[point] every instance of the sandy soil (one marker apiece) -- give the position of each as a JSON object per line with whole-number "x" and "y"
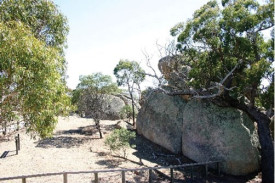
{"x": 75, "y": 146}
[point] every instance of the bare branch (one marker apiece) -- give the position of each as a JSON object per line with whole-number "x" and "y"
{"x": 199, "y": 94}
{"x": 148, "y": 63}
{"x": 231, "y": 72}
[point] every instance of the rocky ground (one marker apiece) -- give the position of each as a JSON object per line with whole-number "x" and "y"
{"x": 75, "y": 146}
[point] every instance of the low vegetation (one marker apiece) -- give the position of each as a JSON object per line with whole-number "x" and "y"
{"x": 119, "y": 139}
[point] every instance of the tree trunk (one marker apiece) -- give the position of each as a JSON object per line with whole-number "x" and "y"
{"x": 267, "y": 152}
{"x": 100, "y": 133}
{"x": 133, "y": 110}
{"x": 267, "y": 147}
{"x": 99, "y": 130}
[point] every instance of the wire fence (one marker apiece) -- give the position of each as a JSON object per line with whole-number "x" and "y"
{"x": 146, "y": 172}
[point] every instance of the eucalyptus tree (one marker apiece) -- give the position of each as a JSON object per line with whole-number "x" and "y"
{"x": 91, "y": 96}
{"x": 42, "y": 17}
{"x": 129, "y": 74}
{"x": 32, "y": 64}
{"x": 230, "y": 60}
{"x": 30, "y": 82}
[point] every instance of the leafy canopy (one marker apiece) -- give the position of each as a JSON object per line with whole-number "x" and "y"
{"x": 90, "y": 93}
{"x": 91, "y": 96}
{"x": 102, "y": 82}
{"x": 128, "y": 73}
{"x": 41, "y": 16}
{"x": 98, "y": 82}
{"x": 30, "y": 81}
{"x": 217, "y": 39}
{"x": 32, "y": 64}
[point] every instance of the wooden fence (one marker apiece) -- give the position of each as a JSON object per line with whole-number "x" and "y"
{"x": 123, "y": 178}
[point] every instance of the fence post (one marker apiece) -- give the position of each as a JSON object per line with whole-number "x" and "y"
{"x": 65, "y": 178}
{"x": 17, "y": 128}
{"x": 150, "y": 176}
{"x": 172, "y": 175}
{"x": 24, "y": 180}
{"x": 123, "y": 176}
{"x": 96, "y": 177}
{"x": 18, "y": 137}
{"x": 16, "y": 145}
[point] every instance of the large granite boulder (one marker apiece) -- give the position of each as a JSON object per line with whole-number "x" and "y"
{"x": 112, "y": 106}
{"x": 201, "y": 130}
{"x": 160, "y": 120}
{"x": 210, "y": 132}
{"x": 174, "y": 70}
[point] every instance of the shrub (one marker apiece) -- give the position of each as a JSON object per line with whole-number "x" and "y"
{"x": 126, "y": 112}
{"x": 119, "y": 140}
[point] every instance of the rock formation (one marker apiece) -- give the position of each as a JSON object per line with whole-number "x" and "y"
{"x": 112, "y": 107}
{"x": 201, "y": 131}
{"x": 160, "y": 120}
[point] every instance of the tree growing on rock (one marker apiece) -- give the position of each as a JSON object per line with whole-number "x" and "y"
{"x": 223, "y": 56}
{"x": 91, "y": 95}
{"x": 32, "y": 64}
{"x": 129, "y": 74}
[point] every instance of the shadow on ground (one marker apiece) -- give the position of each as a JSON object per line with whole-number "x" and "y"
{"x": 110, "y": 163}
{"x": 62, "y": 142}
{"x": 87, "y": 131}
{"x": 146, "y": 150}
{"x": 9, "y": 154}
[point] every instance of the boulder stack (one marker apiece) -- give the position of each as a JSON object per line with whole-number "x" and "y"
{"x": 201, "y": 130}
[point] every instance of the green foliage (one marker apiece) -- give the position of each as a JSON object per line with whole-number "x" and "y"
{"x": 31, "y": 84}
{"x": 119, "y": 140}
{"x": 96, "y": 82}
{"x": 42, "y": 17}
{"x": 103, "y": 82}
{"x": 32, "y": 65}
{"x": 128, "y": 72}
{"x": 127, "y": 112}
{"x": 75, "y": 96}
{"x": 216, "y": 39}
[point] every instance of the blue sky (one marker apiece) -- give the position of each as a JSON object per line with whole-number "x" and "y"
{"x": 104, "y": 31}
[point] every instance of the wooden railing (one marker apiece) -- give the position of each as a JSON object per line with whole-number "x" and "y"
{"x": 123, "y": 178}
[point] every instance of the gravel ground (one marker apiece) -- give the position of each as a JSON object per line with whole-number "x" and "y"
{"x": 75, "y": 146}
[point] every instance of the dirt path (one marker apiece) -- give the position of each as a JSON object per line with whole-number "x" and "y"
{"x": 75, "y": 146}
